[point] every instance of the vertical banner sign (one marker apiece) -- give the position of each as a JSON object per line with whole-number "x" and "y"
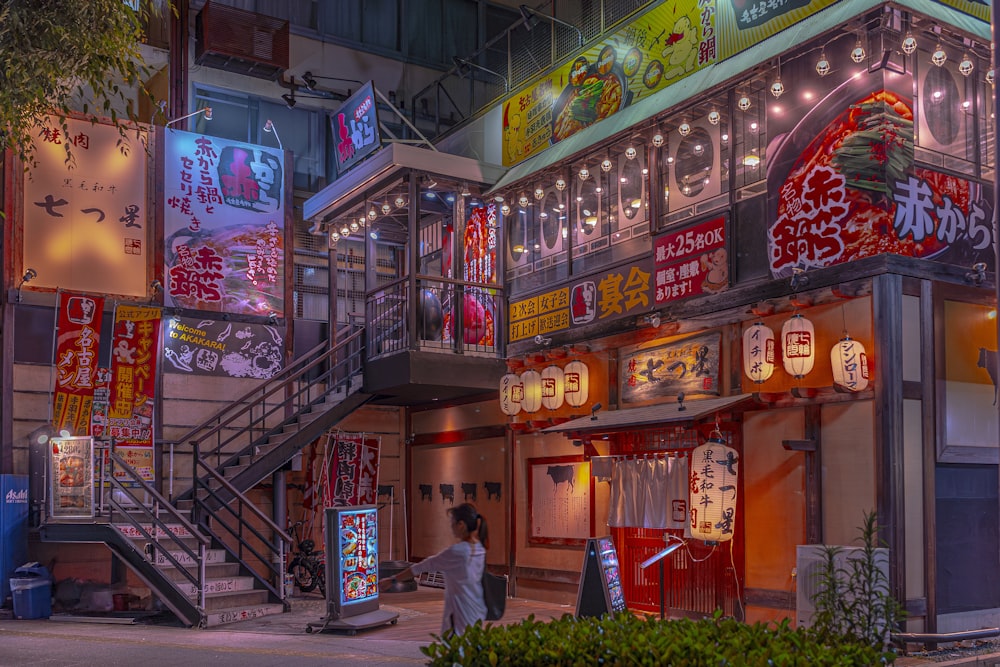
{"x": 134, "y": 348}
{"x": 224, "y": 222}
{"x": 71, "y": 477}
{"x": 87, "y": 213}
{"x": 353, "y": 470}
{"x": 355, "y": 128}
{"x": 77, "y": 349}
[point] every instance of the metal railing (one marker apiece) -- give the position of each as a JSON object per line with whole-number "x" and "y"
{"x": 451, "y": 315}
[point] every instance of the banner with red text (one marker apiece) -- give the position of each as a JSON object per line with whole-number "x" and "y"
{"x": 353, "y": 470}
{"x": 78, "y": 342}
{"x": 134, "y": 347}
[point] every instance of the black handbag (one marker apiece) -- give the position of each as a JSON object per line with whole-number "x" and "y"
{"x": 495, "y": 595}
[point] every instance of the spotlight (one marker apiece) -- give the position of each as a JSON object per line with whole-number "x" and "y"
{"x": 204, "y": 111}
{"x": 308, "y": 79}
{"x": 29, "y": 275}
{"x": 593, "y": 411}
{"x": 272, "y": 318}
{"x": 289, "y": 99}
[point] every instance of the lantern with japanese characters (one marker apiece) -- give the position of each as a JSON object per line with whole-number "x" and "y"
{"x": 758, "y": 352}
{"x": 713, "y": 488}
{"x": 511, "y": 394}
{"x": 798, "y": 350}
{"x": 552, "y": 387}
{"x": 576, "y": 383}
{"x": 850, "y": 364}
{"x": 532, "y": 399}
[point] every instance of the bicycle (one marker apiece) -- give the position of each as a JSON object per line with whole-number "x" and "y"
{"x": 307, "y": 566}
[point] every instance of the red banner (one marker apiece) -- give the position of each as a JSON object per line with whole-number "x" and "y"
{"x": 77, "y": 347}
{"x": 353, "y": 477}
{"x": 133, "y": 380}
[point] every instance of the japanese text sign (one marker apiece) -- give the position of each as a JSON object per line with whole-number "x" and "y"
{"x": 77, "y": 349}
{"x": 355, "y": 128}
{"x": 221, "y": 348}
{"x": 224, "y": 222}
{"x": 689, "y": 366}
{"x": 86, "y": 226}
{"x": 71, "y": 477}
{"x": 353, "y": 470}
{"x": 692, "y": 261}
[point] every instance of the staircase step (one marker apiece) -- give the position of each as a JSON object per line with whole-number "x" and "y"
{"x": 228, "y": 600}
{"x": 211, "y": 556}
{"x": 216, "y": 585}
{"x": 212, "y": 571}
{"x": 133, "y": 533}
{"x": 233, "y": 471}
{"x": 245, "y": 613}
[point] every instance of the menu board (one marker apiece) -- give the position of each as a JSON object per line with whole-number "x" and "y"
{"x": 352, "y": 555}
{"x": 71, "y": 477}
{"x": 600, "y": 589}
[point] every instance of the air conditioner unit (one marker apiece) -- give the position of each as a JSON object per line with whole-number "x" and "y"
{"x": 241, "y": 41}
{"x": 810, "y": 560}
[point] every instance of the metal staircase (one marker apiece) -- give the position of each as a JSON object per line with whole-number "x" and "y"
{"x": 204, "y": 549}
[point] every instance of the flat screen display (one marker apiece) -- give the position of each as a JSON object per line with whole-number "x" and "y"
{"x": 357, "y": 553}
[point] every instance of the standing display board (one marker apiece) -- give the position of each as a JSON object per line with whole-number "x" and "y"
{"x": 352, "y": 596}
{"x": 71, "y": 478}
{"x": 600, "y": 581}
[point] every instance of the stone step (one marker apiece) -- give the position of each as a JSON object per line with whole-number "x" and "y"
{"x": 228, "y": 600}
{"x": 242, "y": 613}
{"x": 217, "y": 585}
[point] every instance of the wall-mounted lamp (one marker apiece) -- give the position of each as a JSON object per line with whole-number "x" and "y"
{"x": 978, "y": 273}
{"x": 529, "y": 14}
{"x": 289, "y": 99}
{"x": 29, "y": 275}
{"x": 154, "y": 287}
{"x": 462, "y": 62}
{"x": 205, "y": 111}
{"x": 272, "y": 318}
{"x": 269, "y": 127}
{"x": 542, "y": 340}
{"x": 652, "y": 319}
{"x": 799, "y": 278}
{"x": 680, "y": 402}
{"x": 593, "y": 411}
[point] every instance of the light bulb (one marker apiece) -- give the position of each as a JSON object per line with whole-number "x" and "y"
{"x": 606, "y": 165}
{"x": 714, "y": 117}
{"x": 684, "y": 129}
{"x": 355, "y": 226}
{"x": 560, "y": 184}
{"x": 399, "y": 202}
{"x": 909, "y": 44}
{"x": 584, "y": 174}
{"x": 386, "y": 209}
{"x": 522, "y": 201}
{"x": 372, "y": 214}
{"x": 505, "y": 209}
{"x": 539, "y": 193}
{"x": 657, "y": 139}
{"x": 630, "y": 153}
{"x": 345, "y": 231}
{"x": 822, "y": 65}
{"x": 990, "y": 76}
{"x": 698, "y": 150}
{"x": 858, "y": 54}
{"x": 939, "y": 57}
{"x": 335, "y": 236}
{"x": 777, "y": 88}
{"x": 966, "y": 66}
{"x": 743, "y": 103}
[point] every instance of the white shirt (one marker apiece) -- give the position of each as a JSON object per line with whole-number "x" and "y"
{"x": 462, "y": 566}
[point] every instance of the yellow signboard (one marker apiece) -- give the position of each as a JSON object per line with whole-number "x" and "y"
{"x": 662, "y": 46}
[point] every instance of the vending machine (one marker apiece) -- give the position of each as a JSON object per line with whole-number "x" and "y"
{"x": 352, "y": 562}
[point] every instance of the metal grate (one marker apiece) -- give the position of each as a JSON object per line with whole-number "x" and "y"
{"x": 432, "y": 579}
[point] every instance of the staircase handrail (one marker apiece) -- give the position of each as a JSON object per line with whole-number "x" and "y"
{"x": 280, "y": 380}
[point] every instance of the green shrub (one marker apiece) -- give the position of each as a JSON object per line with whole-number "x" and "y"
{"x": 625, "y": 639}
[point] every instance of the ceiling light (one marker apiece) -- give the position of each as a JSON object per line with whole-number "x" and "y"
{"x": 966, "y": 66}
{"x": 560, "y": 184}
{"x": 684, "y": 129}
{"x": 386, "y": 208}
{"x": 822, "y": 65}
{"x": 714, "y": 117}
{"x": 584, "y": 174}
{"x": 539, "y": 193}
{"x": 606, "y": 165}
{"x": 372, "y": 214}
{"x": 858, "y": 54}
{"x": 909, "y": 44}
{"x": 355, "y": 226}
{"x": 345, "y": 231}
{"x": 777, "y": 88}
{"x": 939, "y": 57}
{"x": 522, "y": 201}
{"x": 335, "y": 236}
{"x": 657, "y": 140}
{"x": 400, "y": 202}
{"x": 990, "y": 76}
{"x": 630, "y": 153}
{"x": 505, "y": 209}
{"x": 743, "y": 103}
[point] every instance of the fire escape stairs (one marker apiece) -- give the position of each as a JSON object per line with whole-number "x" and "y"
{"x": 200, "y": 551}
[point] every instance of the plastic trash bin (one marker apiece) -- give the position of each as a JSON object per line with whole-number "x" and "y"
{"x": 31, "y": 589}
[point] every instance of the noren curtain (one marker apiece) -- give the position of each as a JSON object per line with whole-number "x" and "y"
{"x": 649, "y": 493}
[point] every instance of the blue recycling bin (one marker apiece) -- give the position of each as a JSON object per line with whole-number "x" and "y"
{"x": 31, "y": 588}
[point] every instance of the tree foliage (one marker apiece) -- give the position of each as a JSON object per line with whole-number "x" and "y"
{"x": 58, "y": 56}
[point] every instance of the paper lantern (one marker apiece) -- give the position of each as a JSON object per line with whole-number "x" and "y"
{"x": 758, "y": 352}
{"x": 511, "y": 394}
{"x": 850, "y": 364}
{"x": 532, "y": 381}
{"x": 552, "y": 387}
{"x": 713, "y": 488}
{"x": 576, "y": 383}
{"x": 798, "y": 350}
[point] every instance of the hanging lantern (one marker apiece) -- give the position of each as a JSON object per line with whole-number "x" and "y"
{"x": 850, "y": 364}
{"x": 532, "y": 382}
{"x": 758, "y": 352}
{"x": 798, "y": 351}
{"x": 552, "y": 387}
{"x": 511, "y": 394}
{"x": 576, "y": 383}
{"x": 713, "y": 490}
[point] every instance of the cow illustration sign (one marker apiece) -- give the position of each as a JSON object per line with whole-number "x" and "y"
{"x": 559, "y": 500}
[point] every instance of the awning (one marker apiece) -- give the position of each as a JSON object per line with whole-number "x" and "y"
{"x": 717, "y": 75}
{"x": 394, "y": 158}
{"x": 604, "y": 421}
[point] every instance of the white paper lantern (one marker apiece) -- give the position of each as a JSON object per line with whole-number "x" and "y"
{"x": 552, "y": 387}
{"x": 511, "y": 394}
{"x": 532, "y": 381}
{"x": 798, "y": 349}
{"x": 758, "y": 352}
{"x": 850, "y": 364}
{"x": 576, "y": 383}
{"x": 713, "y": 487}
